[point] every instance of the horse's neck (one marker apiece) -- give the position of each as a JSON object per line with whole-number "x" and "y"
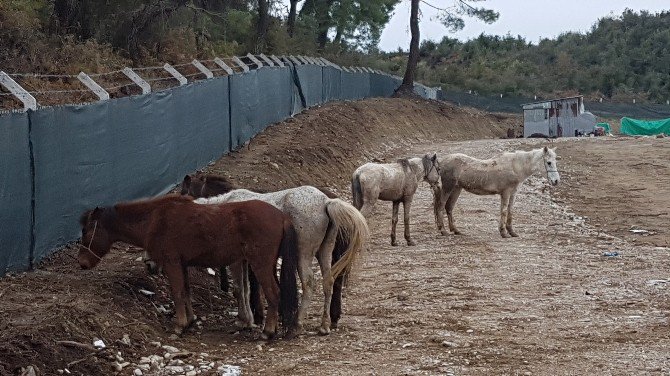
{"x": 131, "y": 222}
{"x": 531, "y": 162}
{"x": 416, "y": 169}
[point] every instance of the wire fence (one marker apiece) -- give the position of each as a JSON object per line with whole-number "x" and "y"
{"x": 22, "y": 91}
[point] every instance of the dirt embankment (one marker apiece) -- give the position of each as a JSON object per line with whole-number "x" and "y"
{"x": 321, "y": 147}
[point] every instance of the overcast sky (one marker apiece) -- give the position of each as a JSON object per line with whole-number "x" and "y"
{"x": 531, "y": 19}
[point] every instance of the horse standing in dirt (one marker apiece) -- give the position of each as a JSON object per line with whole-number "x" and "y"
{"x": 501, "y": 175}
{"x": 207, "y": 185}
{"x": 396, "y": 182}
{"x": 318, "y": 221}
{"x": 177, "y": 233}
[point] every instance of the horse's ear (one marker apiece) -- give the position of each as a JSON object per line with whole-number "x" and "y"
{"x": 546, "y": 150}
{"x": 96, "y": 213}
{"x": 187, "y": 180}
{"x": 84, "y": 217}
{"x": 434, "y": 158}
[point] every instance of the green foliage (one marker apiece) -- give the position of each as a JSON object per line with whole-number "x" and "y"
{"x": 619, "y": 58}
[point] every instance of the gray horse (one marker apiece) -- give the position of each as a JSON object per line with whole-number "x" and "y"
{"x": 318, "y": 220}
{"x": 396, "y": 182}
{"x": 501, "y": 175}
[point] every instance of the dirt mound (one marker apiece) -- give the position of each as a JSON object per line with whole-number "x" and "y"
{"x": 320, "y": 147}
{"x": 323, "y": 146}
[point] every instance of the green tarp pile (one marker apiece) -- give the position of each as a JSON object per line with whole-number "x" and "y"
{"x": 605, "y": 126}
{"x": 634, "y": 127}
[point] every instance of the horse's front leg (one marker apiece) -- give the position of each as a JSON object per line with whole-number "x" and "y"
{"x": 439, "y": 202}
{"x": 394, "y": 222}
{"x": 407, "y": 206}
{"x": 504, "y": 203}
{"x": 175, "y": 275}
{"x": 451, "y": 202}
{"x": 510, "y": 230}
{"x": 190, "y": 316}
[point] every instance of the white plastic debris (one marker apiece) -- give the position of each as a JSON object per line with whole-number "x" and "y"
{"x": 147, "y": 292}
{"x": 228, "y": 370}
{"x": 211, "y": 271}
{"x": 98, "y": 343}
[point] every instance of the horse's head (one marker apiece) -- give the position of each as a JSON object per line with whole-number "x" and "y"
{"x": 550, "y": 166}
{"x": 431, "y": 169}
{"x": 205, "y": 185}
{"x": 95, "y": 238}
{"x": 192, "y": 185}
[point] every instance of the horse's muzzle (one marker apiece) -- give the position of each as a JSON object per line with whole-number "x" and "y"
{"x": 555, "y": 182}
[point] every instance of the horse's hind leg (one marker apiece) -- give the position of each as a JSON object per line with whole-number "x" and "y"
{"x": 306, "y": 282}
{"x": 325, "y": 257}
{"x": 175, "y": 275}
{"x": 407, "y": 206}
{"x": 265, "y": 273}
{"x": 394, "y": 222}
{"x": 240, "y": 279}
{"x": 510, "y": 230}
{"x": 255, "y": 298}
{"x": 449, "y": 206}
{"x": 189, "y": 303}
{"x": 336, "y": 301}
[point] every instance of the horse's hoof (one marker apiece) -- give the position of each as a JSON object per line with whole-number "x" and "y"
{"x": 267, "y": 336}
{"x": 444, "y": 233}
{"x": 394, "y": 243}
{"x": 504, "y": 235}
{"x": 513, "y": 234}
{"x": 291, "y": 334}
{"x": 333, "y": 325}
{"x": 411, "y": 242}
{"x": 324, "y": 331}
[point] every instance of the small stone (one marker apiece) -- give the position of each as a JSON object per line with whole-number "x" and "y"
{"x": 469, "y": 331}
{"x": 191, "y": 373}
{"x": 126, "y": 340}
{"x": 138, "y": 372}
{"x": 155, "y": 343}
{"x": 144, "y": 367}
{"x": 170, "y": 349}
{"x": 145, "y": 360}
{"x": 449, "y": 344}
{"x": 175, "y": 369}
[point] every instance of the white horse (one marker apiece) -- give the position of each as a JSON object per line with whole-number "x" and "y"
{"x": 396, "y": 182}
{"x": 317, "y": 220}
{"x": 501, "y": 175}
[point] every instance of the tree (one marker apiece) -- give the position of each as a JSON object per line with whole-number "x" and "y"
{"x": 452, "y": 18}
{"x": 360, "y": 21}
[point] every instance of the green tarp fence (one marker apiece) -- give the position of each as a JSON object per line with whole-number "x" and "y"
{"x": 634, "y": 127}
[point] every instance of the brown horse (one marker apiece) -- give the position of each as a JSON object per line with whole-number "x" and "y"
{"x": 206, "y": 185}
{"x": 177, "y": 233}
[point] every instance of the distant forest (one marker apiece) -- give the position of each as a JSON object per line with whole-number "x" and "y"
{"x": 620, "y": 58}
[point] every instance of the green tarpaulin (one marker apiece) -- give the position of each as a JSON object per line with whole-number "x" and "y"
{"x": 606, "y": 126}
{"x": 643, "y": 127}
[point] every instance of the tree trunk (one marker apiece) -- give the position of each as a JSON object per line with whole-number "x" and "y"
{"x": 263, "y": 23}
{"x": 292, "y": 14}
{"x": 408, "y": 81}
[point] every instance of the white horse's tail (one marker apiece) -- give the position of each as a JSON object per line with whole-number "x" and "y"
{"x": 357, "y": 191}
{"x": 353, "y": 229}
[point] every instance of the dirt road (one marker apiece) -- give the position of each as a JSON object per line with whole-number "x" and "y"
{"x": 546, "y": 303}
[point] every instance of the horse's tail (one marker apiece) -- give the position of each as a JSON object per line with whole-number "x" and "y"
{"x": 357, "y": 191}
{"x": 288, "y": 286}
{"x": 351, "y": 225}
